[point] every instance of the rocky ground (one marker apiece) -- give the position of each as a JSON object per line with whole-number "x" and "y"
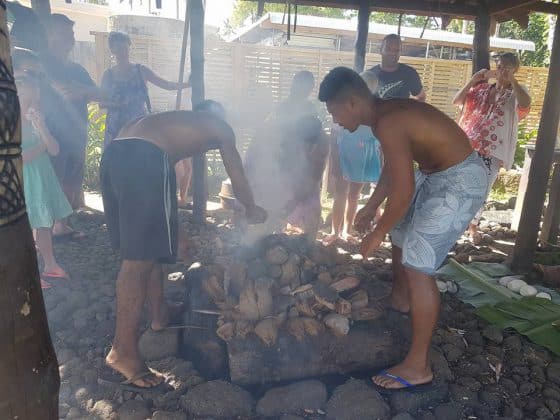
{"x": 481, "y": 372}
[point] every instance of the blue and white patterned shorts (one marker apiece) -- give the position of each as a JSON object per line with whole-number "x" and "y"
{"x": 443, "y": 205}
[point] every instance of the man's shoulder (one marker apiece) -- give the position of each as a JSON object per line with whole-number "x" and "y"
{"x": 375, "y": 69}
{"x": 405, "y": 68}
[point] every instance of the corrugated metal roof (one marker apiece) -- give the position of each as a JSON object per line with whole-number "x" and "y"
{"x": 465, "y": 40}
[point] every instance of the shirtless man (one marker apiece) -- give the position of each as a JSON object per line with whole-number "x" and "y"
{"x": 138, "y": 186}
{"x": 426, "y": 211}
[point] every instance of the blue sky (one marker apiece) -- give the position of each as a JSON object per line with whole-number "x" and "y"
{"x": 217, "y": 11}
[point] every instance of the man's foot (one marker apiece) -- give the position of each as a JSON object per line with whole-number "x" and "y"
{"x": 402, "y": 376}
{"x": 55, "y": 272}
{"x": 134, "y": 370}
{"x": 351, "y": 239}
{"x": 170, "y": 313}
{"x": 396, "y": 304}
{"x": 45, "y": 284}
{"x": 331, "y": 239}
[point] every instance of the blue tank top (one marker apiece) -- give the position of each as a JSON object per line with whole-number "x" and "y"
{"x": 360, "y": 155}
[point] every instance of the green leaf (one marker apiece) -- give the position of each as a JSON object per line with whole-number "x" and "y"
{"x": 538, "y": 319}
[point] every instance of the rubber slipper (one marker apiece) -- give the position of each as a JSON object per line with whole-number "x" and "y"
{"x": 55, "y": 276}
{"x": 71, "y": 235}
{"x": 406, "y": 386}
{"x": 113, "y": 379}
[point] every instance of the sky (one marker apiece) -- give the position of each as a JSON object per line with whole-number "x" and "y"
{"x": 217, "y": 11}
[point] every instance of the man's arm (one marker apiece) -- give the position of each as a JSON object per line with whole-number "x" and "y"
{"x": 153, "y": 78}
{"x": 416, "y": 89}
{"x": 421, "y": 96}
{"x": 365, "y": 216}
{"x": 522, "y": 96}
{"x": 234, "y": 168}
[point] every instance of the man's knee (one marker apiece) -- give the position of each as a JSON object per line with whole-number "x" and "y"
{"x": 137, "y": 268}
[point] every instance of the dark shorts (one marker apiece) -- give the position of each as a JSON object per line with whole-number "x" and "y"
{"x": 138, "y": 186}
{"x": 69, "y": 166}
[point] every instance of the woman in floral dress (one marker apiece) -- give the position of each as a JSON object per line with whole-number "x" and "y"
{"x": 490, "y": 116}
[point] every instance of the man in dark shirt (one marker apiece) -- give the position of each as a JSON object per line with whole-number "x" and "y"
{"x": 67, "y": 114}
{"x": 396, "y": 80}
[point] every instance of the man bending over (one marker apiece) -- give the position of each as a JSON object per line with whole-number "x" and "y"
{"x": 138, "y": 186}
{"x": 427, "y": 210}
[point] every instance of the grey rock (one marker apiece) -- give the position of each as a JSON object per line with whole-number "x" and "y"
{"x": 513, "y": 412}
{"x": 75, "y": 413}
{"x": 103, "y": 409}
{"x": 452, "y": 352}
{"x": 553, "y": 373}
{"x": 291, "y": 417}
{"x": 553, "y": 406}
{"x": 470, "y": 383}
{"x": 549, "y": 392}
{"x": 513, "y": 342}
{"x": 462, "y": 394}
{"x": 526, "y": 388}
{"x": 168, "y": 415}
{"x": 544, "y": 413}
{"x": 218, "y": 399}
{"x": 474, "y": 338}
{"x": 134, "y": 410}
{"x": 492, "y": 400}
{"x": 449, "y": 411}
{"x": 293, "y": 398}
{"x": 508, "y": 385}
{"x": 493, "y": 333}
{"x": 356, "y": 400}
{"x": 440, "y": 367}
{"x": 402, "y": 416}
{"x": 159, "y": 345}
{"x": 418, "y": 398}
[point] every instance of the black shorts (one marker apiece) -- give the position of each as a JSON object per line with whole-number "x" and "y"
{"x": 140, "y": 200}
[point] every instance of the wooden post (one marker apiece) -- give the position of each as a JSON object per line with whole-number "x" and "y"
{"x": 183, "y": 52}
{"x": 361, "y": 37}
{"x": 197, "y": 85}
{"x": 481, "y": 42}
{"x": 29, "y": 379}
{"x": 260, "y": 8}
{"x": 524, "y": 251}
{"x": 549, "y": 230}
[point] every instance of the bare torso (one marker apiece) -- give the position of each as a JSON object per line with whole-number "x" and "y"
{"x": 435, "y": 141}
{"x": 180, "y": 133}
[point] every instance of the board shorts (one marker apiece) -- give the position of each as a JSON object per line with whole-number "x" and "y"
{"x": 359, "y": 155}
{"x": 443, "y": 205}
{"x": 139, "y": 198}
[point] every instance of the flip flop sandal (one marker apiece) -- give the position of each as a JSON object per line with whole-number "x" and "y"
{"x": 45, "y": 285}
{"x": 407, "y": 386}
{"x": 55, "y": 276}
{"x": 113, "y": 380}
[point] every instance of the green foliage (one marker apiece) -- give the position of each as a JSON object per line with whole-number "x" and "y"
{"x": 244, "y": 9}
{"x": 96, "y": 136}
{"x": 407, "y": 20}
{"x": 524, "y": 137}
{"x": 537, "y": 31}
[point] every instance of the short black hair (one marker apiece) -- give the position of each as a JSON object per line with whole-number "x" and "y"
{"x": 342, "y": 82}
{"x": 390, "y": 37}
{"x": 212, "y": 107}
{"x": 116, "y": 37}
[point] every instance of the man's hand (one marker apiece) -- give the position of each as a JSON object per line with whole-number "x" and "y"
{"x": 363, "y": 219}
{"x": 479, "y": 76}
{"x": 255, "y": 215}
{"x": 370, "y": 243}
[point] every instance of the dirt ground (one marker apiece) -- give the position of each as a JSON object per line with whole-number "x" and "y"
{"x": 481, "y": 372}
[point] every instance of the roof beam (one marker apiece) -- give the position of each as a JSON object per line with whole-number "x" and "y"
{"x": 504, "y": 6}
{"x": 545, "y": 7}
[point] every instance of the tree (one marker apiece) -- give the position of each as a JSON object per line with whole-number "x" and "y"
{"x": 245, "y": 9}
{"x": 29, "y": 378}
{"x": 407, "y": 20}
{"x": 537, "y": 31}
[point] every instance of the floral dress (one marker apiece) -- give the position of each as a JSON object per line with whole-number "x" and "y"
{"x": 128, "y": 100}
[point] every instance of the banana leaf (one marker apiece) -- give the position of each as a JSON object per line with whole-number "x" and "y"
{"x": 537, "y": 319}
{"x": 477, "y": 285}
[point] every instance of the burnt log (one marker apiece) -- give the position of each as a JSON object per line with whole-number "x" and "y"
{"x": 370, "y": 346}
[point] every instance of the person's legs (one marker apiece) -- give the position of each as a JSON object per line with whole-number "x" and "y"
{"x": 184, "y": 173}
{"x": 354, "y": 190}
{"x": 399, "y": 299}
{"x": 124, "y": 356}
{"x": 424, "y": 310}
{"x": 43, "y": 236}
{"x": 158, "y": 308}
{"x": 493, "y": 166}
{"x": 339, "y": 204}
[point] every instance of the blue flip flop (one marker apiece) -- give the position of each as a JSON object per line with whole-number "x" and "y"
{"x": 407, "y": 386}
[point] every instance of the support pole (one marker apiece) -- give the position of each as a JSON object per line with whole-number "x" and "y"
{"x": 197, "y": 84}
{"x": 481, "y": 42}
{"x": 42, "y": 8}
{"x": 361, "y": 36}
{"x": 260, "y": 8}
{"x": 183, "y": 52}
{"x": 29, "y": 378}
{"x": 524, "y": 250}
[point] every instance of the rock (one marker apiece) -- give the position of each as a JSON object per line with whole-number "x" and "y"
{"x": 474, "y": 338}
{"x": 526, "y": 388}
{"x": 549, "y": 392}
{"x": 449, "y": 411}
{"x": 452, "y": 353}
{"x": 75, "y": 413}
{"x": 218, "y": 399}
{"x": 291, "y": 417}
{"x": 544, "y": 413}
{"x": 440, "y": 366}
{"x": 553, "y": 373}
{"x": 134, "y": 410}
{"x": 493, "y": 333}
{"x": 513, "y": 342}
{"x": 356, "y": 400}
{"x": 293, "y": 398}
{"x": 102, "y": 409}
{"x": 168, "y": 415}
{"x": 508, "y": 385}
{"x": 492, "y": 400}
{"x": 403, "y": 416}
{"x": 553, "y": 406}
{"x": 412, "y": 401}
{"x": 159, "y": 345}
{"x": 470, "y": 383}
{"x": 462, "y": 394}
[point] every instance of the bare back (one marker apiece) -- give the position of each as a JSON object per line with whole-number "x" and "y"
{"x": 181, "y": 133}
{"x": 435, "y": 141}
